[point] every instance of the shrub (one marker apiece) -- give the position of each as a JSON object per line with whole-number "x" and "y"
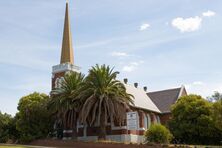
{"x": 192, "y": 121}
{"x": 158, "y": 134}
{"x": 26, "y": 138}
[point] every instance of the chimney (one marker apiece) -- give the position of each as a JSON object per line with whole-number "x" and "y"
{"x": 145, "y": 88}
{"x": 125, "y": 80}
{"x": 136, "y": 85}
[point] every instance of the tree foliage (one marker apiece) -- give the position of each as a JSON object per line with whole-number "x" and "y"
{"x": 158, "y": 133}
{"x": 217, "y": 114}
{"x": 33, "y": 120}
{"x": 63, "y": 101}
{"x": 192, "y": 121}
{"x": 215, "y": 97}
{"x": 5, "y": 120}
{"x": 7, "y": 128}
{"x": 104, "y": 98}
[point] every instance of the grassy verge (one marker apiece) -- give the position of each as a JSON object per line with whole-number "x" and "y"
{"x": 14, "y": 146}
{"x": 17, "y": 146}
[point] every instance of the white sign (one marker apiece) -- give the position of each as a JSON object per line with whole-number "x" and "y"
{"x": 132, "y": 121}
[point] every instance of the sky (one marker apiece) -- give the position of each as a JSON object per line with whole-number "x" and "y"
{"x": 159, "y": 44}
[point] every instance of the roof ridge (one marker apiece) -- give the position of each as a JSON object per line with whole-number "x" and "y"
{"x": 164, "y": 90}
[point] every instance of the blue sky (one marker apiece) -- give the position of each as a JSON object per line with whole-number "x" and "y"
{"x": 159, "y": 44}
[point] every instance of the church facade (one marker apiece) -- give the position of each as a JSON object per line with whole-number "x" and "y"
{"x": 150, "y": 107}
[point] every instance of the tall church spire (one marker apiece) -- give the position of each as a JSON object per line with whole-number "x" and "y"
{"x": 67, "y": 60}
{"x": 67, "y": 48}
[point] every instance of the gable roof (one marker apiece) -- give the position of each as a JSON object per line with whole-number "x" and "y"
{"x": 141, "y": 99}
{"x": 165, "y": 98}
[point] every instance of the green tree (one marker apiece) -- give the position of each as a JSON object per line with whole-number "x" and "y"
{"x": 5, "y": 120}
{"x": 217, "y": 114}
{"x": 104, "y": 98}
{"x": 63, "y": 101}
{"x": 158, "y": 133}
{"x": 8, "y": 128}
{"x": 12, "y": 131}
{"x": 33, "y": 119}
{"x": 215, "y": 97}
{"x": 192, "y": 122}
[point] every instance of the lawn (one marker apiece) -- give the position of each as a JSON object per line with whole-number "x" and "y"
{"x": 13, "y": 146}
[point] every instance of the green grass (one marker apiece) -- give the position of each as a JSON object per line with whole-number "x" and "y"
{"x": 13, "y": 147}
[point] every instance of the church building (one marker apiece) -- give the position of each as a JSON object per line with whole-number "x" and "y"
{"x": 150, "y": 107}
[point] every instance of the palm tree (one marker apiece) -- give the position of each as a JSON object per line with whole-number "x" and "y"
{"x": 103, "y": 98}
{"x": 63, "y": 101}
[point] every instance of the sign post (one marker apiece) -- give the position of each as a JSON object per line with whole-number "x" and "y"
{"x": 132, "y": 121}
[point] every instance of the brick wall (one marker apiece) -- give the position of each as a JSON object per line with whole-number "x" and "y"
{"x": 164, "y": 118}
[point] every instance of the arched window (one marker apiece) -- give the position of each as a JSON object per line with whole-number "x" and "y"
{"x": 158, "y": 119}
{"x": 57, "y": 83}
{"x": 61, "y": 81}
{"x": 154, "y": 119}
{"x": 147, "y": 121}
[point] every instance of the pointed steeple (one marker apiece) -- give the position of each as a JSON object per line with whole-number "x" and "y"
{"x": 67, "y": 48}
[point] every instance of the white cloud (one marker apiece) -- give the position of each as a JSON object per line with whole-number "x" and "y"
{"x": 195, "y": 84}
{"x": 198, "y": 83}
{"x": 129, "y": 68}
{"x": 137, "y": 63}
{"x": 144, "y": 27}
{"x": 119, "y": 54}
{"x": 187, "y": 24}
{"x": 209, "y": 13}
{"x": 132, "y": 66}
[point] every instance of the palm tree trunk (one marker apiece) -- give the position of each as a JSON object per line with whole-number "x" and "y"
{"x": 74, "y": 126}
{"x": 102, "y": 134}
